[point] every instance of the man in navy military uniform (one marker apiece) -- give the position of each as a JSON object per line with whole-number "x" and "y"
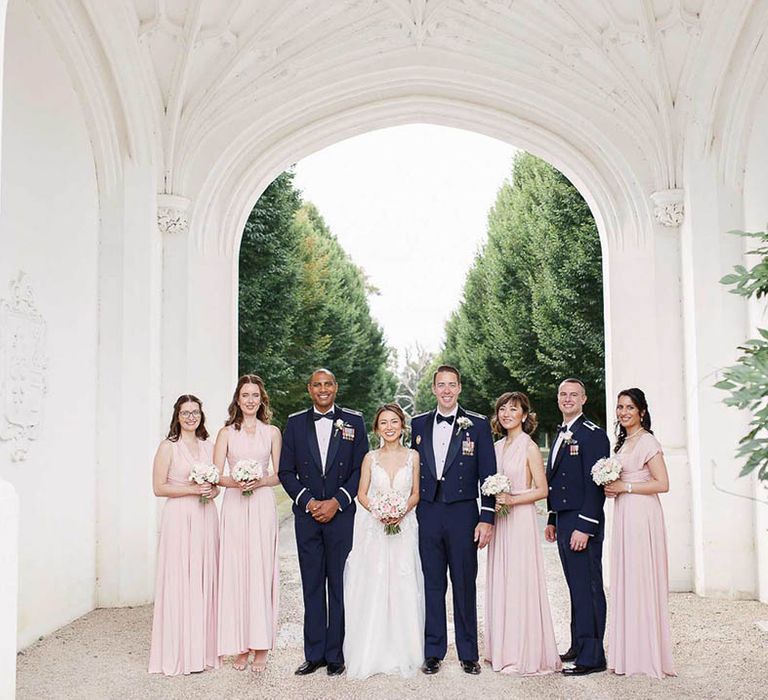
{"x": 576, "y": 521}
{"x": 456, "y": 453}
{"x": 323, "y": 448}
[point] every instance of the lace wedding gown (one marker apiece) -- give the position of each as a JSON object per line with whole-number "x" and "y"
{"x": 384, "y": 588}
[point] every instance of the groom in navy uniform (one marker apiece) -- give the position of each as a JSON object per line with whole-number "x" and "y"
{"x": 456, "y": 453}
{"x": 576, "y": 521}
{"x": 323, "y": 448}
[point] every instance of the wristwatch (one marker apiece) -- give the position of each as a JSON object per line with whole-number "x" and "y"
{"x": 629, "y": 488}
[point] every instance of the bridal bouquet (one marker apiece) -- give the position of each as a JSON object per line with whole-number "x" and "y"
{"x": 389, "y": 505}
{"x": 204, "y": 474}
{"x": 493, "y": 486}
{"x": 247, "y": 470}
{"x": 606, "y": 470}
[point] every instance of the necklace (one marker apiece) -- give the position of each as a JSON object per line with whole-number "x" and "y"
{"x": 636, "y": 433}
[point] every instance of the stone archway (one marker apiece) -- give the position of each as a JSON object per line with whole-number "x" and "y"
{"x": 181, "y": 113}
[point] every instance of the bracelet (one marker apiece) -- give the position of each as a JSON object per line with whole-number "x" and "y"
{"x": 629, "y": 488}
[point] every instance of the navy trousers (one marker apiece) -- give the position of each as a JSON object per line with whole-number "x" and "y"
{"x": 584, "y": 575}
{"x": 323, "y": 550}
{"x": 446, "y": 543}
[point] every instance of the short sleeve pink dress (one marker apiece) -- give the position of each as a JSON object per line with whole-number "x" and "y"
{"x": 639, "y": 640}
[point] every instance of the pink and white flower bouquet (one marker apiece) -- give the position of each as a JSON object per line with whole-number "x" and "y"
{"x": 493, "y": 486}
{"x": 389, "y": 505}
{"x": 606, "y": 470}
{"x": 204, "y": 474}
{"x": 247, "y": 470}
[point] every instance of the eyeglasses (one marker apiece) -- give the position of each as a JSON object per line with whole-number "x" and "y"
{"x": 189, "y": 414}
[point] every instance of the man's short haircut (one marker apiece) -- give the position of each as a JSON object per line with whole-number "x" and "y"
{"x": 324, "y": 371}
{"x": 446, "y": 368}
{"x": 573, "y": 380}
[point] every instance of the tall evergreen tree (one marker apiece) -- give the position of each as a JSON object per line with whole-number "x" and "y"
{"x": 532, "y": 310}
{"x": 303, "y": 305}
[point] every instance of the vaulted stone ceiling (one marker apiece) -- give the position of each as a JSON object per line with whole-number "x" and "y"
{"x": 629, "y": 70}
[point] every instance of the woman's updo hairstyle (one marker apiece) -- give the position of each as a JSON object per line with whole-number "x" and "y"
{"x": 517, "y": 398}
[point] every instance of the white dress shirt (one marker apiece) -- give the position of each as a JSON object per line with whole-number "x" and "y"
{"x": 323, "y": 429}
{"x": 441, "y": 439}
{"x": 560, "y": 438}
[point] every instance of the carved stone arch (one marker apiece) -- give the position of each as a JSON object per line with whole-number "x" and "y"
{"x": 91, "y": 40}
{"x": 610, "y": 183}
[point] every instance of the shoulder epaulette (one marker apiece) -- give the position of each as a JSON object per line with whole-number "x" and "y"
{"x": 589, "y": 424}
{"x": 352, "y": 411}
{"x": 476, "y": 415}
{"x": 420, "y": 415}
{"x": 298, "y": 413}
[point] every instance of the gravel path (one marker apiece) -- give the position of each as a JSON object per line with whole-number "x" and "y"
{"x": 719, "y": 651}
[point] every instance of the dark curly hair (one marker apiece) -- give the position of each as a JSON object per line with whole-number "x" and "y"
{"x": 518, "y": 398}
{"x": 637, "y": 397}
{"x": 174, "y": 431}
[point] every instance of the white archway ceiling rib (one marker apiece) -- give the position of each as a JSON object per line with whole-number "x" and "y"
{"x": 215, "y": 71}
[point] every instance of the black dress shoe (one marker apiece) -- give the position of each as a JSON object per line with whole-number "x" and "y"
{"x": 582, "y": 670}
{"x": 431, "y": 665}
{"x": 309, "y": 667}
{"x": 335, "y": 669}
{"x": 470, "y": 667}
{"x": 569, "y": 655}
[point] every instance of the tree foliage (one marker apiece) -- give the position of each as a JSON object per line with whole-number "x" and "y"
{"x": 532, "y": 309}
{"x": 747, "y": 380}
{"x": 304, "y": 304}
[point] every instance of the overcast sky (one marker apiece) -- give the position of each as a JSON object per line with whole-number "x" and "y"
{"x": 410, "y": 205}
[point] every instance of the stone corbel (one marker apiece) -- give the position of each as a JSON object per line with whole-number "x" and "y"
{"x": 668, "y": 208}
{"x": 172, "y": 213}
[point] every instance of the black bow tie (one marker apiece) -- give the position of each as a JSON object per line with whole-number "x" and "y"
{"x": 447, "y": 419}
{"x": 563, "y": 428}
{"x": 328, "y": 415}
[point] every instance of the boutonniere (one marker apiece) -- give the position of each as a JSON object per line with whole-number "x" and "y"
{"x": 567, "y": 437}
{"x": 462, "y": 423}
{"x": 339, "y": 425}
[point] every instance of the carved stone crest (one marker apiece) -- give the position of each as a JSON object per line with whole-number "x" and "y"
{"x": 172, "y": 213}
{"x": 22, "y": 367}
{"x": 668, "y": 207}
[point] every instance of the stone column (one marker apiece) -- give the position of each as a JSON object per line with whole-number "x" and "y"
{"x": 9, "y": 520}
{"x": 644, "y": 348}
{"x": 9, "y": 577}
{"x": 129, "y": 430}
{"x": 715, "y": 323}
{"x": 199, "y": 307}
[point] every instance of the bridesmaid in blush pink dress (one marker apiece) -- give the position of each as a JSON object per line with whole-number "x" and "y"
{"x": 184, "y": 620}
{"x": 519, "y": 637}
{"x": 639, "y": 640}
{"x": 248, "y": 575}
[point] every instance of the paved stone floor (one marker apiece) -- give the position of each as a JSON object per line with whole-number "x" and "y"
{"x": 719, "y": 650}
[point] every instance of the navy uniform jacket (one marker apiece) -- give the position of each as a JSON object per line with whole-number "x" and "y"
{"x": 301, "y": 469}
{"x": 471, "y": 459}
{"x": 569, "y": 474}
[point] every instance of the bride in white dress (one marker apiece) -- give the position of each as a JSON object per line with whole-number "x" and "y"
{"x": 383, "y": 582}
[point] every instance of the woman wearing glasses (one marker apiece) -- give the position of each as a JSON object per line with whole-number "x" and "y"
{"x": 184, "y": 623}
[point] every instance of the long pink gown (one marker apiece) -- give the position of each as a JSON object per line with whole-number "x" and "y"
{"x": 248, "y": 575}
{"x": 638, "y": 632}
{"x": 184, "y": 620}
{"x": 519, "y": 637}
